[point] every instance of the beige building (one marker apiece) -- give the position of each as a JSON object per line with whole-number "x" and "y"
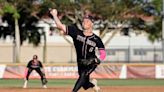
{"x": 59, "y": 53}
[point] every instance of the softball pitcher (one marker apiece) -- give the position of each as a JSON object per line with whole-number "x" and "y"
{"x": 85, "y": 42}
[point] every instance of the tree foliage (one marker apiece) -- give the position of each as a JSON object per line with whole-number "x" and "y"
{"x": 141, "y": 15}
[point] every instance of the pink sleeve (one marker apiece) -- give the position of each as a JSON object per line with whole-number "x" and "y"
{"x": 102, "y": 54}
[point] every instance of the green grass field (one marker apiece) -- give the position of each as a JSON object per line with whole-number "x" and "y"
{"x": 68, "y": 82}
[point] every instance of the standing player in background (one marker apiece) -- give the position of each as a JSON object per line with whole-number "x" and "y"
{"x": 85, "y": 43}
{"x": 36, "y": 65}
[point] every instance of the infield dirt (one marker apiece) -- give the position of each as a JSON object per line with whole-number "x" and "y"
{"x": 103, "y": 89}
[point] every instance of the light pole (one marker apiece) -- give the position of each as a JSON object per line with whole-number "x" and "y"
{"x": 126, "y": 33}
{"x": 129, "y": 49}
{"x": 163, "y": 32}
{"x": 44, "y": 48}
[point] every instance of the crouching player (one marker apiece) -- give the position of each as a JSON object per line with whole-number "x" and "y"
{"x": 36, "y": 65}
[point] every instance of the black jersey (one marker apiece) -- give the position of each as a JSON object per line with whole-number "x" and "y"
{"x": 84, "y": 45}
{"x": 34, "y": 65}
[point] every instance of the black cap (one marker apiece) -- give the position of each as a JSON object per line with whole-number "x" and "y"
{"x": 89, "y": 17}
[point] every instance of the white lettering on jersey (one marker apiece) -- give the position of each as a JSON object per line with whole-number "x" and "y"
{"x": 91, "y": 43}
{"x": 80, "y": 38}
{"x": 88, "y": 42}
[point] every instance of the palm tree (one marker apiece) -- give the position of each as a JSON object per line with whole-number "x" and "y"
{"x": 9, "y": 8}
{"x": 18, "y": 14}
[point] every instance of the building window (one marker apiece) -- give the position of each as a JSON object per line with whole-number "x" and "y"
{"x": 139, "y": 52}
{"x": 111, "y": 52}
